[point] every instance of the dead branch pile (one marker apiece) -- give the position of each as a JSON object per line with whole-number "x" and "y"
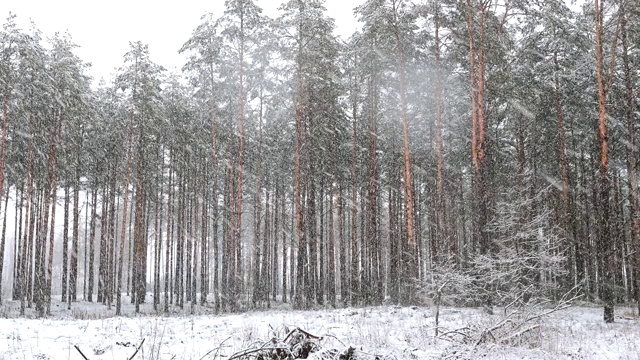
{"x": 300, "y": 344}
{"x": 129, "y": 358}
{"x": 519, "y": 325}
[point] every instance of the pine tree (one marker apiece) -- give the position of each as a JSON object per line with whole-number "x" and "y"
{"x": 140, "y": 76}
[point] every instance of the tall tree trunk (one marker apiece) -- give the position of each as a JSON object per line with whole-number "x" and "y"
{"x": 54, "y": 193}
{"x": 354, "y": 269}
{"x": 169, "y": 242}
{"x": 331, "y": 241}
{"x": 25, "y": 265}
{"x": 102, "y": 263}
{"x": 92, "y": 243}
{"x": 180, "y": 242}
{"x": 226, "y": 261}
{"x": 441, "y": 211}
{"x": 113, "y": 231}
{"x": 310, "y": 218}
{"x": 264, "y": 265}
{"x": 237, "y": 227}
{"x": 5, "y": 126}
{"x": 3, "y": 156}
{"x": 194, "y": 226}
{"x": 393, "y": 244}
{"x": 36, "y": 210}
{"x": 189, "y": 234}
{"x": 257, "y": 255}
{"x": 50, "y": 252}
{"x": 375, "y": 290}
{"x": 214, "y": 191}
{"x": 412, "y": 250}
{"x": 65, "y": 244}
{"x": 567, "y": 216}
{"x": 123, "y": 227}
{"x": 2, "y": 241}
{"x": 276, "y": 236}
{"x": 157, "y": 238}
{"x": 284, "y": 246}
{"x": 204, "y": 237}
{"x": 139, "y": 237}
{"x": 634, "y": 211}
{"x": 292, "y": 254}
{"x": 604, "y": 241}
{"x": 73, "y": 263}
{"x": 18, "y": 245}
{"x": 342, "y": 251}
{"x": 49, "y": 201}
{"x": 320, "y": 288}
{"x": 299, "y": 300}
{"x": 477, "y": 78}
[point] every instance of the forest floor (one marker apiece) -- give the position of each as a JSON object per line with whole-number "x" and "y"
{"x": 390, "y": 332}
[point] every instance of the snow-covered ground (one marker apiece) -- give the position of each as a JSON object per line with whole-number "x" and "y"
{"x": 391, "y": 331}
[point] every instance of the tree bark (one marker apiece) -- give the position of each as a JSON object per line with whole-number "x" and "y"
{"x": 169, "y": 243}
{"x": 65, "y": 244}
{"x": 412, "y": 250}
{"x": 123, "y": 227}
{"x": 441, "y": 211}
{"x": 604, "y": 241}
{"x": 92, "y": 244}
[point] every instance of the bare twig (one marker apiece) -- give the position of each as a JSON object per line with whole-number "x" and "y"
{"x": 332, "y": 336}
{"x": 137, "y": 349}
{"x": 215, "y": 349}
{"x": 519, "y": 333}
{"x": 517, "y": 299}
{"x": 310, "y": 336}
{"x": 548, "y": 312}
{"x": 77, "y": 348}
{"x": 455, "y": 332}
{"x": 289, "y": 334}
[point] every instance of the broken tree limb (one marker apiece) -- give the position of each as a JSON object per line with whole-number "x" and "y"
{"x": 518, "y": 334}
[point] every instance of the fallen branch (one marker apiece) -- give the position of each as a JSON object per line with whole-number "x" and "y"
{"x": 77, "y": 348}
{"x": 518, "y": 334}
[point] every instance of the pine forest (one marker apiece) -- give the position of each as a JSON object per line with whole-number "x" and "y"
{"x": 469, "y": 152}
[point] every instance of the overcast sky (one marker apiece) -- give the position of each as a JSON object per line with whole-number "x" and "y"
{"x": 103, "y": 29}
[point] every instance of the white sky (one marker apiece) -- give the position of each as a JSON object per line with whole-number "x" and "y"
{"x": 103, "y": 29}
